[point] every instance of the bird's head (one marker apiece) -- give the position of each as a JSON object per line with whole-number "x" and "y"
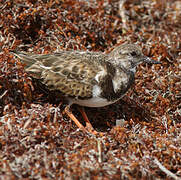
{"x": 129, "y": 56}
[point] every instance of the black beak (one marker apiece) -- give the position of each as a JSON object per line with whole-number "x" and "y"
{"x": 150, "y": 61}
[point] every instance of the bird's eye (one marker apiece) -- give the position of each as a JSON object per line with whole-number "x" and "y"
{"x": 133, "y": 53}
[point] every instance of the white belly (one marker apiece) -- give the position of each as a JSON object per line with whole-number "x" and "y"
{"x": 92, "y": 102}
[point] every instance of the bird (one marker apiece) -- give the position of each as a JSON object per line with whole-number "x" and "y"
{"x": 86, "y": 78}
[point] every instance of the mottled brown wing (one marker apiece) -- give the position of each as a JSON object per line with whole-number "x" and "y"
{"x": 71, "y": 73}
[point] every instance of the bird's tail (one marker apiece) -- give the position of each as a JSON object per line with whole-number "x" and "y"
{"x": 32, "y": 65}
{"x": 25, "y": 58}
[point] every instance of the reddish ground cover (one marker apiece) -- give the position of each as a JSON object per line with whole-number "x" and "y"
{"x": 37, "y": 141}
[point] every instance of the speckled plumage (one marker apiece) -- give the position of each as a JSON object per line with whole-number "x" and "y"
{"x": 84, "y": 75}
{"x": 92, "y": 79}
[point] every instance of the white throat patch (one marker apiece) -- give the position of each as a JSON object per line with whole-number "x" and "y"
{"x": 133, "y": 70}
{"x": 118, "y": 80}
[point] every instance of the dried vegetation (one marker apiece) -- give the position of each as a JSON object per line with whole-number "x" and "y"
{"x": 37, "y": 141}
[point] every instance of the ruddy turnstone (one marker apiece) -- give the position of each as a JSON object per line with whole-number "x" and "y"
{"x": 92, "y": 79}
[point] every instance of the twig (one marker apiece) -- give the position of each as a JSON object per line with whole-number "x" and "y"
{"x": 99, "y": 150}
{"x": 165, "y": 170}
{"x": 5, "y": 92}
{"x": 122, "y": 13}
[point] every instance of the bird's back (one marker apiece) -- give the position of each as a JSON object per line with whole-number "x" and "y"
{"x": 71, "y": 72}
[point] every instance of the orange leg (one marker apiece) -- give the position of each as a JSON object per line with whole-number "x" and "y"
{"x": 84, "y": 115}
{"x": 88, "y": 124}
{"x": 88, "y": 127}
{"x": 72, "y": 117}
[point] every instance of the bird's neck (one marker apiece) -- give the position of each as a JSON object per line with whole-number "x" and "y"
{"x": 122, "y": 79}
{"x": 133, "y": 69}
